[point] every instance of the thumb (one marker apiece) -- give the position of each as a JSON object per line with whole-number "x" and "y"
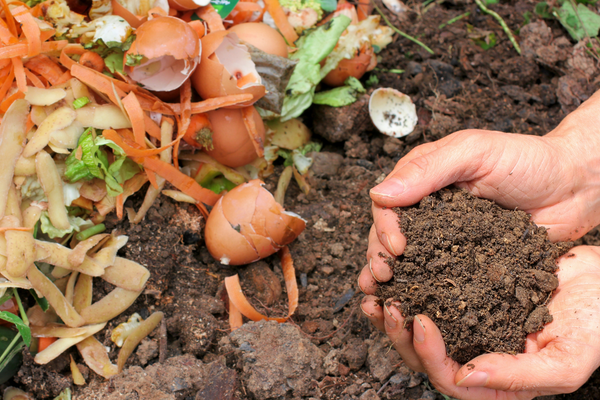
{"x": 549, "y": 371}
{"x": 421, "y": 173}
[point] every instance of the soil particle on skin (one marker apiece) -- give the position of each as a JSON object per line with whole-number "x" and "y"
{"x": 277, "y": 360}
{"x": 481, "y": 273}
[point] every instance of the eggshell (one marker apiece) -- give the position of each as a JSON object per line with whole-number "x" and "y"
{"x": 247, "y": 224}
{"x": 356, "y": 67}
{"x": 212, "y": 79}
{"x": 392, "y": 112}
{"x": 187, "y": 5}
{"x": 262, "y": 36}
{"x": 232, "y": 145}
{"x": 171, "y": 51}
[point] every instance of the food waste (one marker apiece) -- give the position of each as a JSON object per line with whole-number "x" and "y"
{"x": 183, "y": 98}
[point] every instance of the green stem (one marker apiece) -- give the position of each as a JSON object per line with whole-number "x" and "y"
{"x": 453, "y": 20}
{"x": 9, "y": 348}
{"x": 21, "y": 309}
{"x": 398, "y": 31}
{"x": 89, "y": 232}
{"x": 505, "y": 27}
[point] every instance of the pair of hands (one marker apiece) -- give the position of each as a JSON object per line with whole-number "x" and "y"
{"x": 555, "y": 178}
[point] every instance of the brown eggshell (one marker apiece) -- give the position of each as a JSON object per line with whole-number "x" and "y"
{"x": 211, "y": 79}
{"x": 258, "y": 214}
{"x": 221, "y": 238}
{"x": 355, "y": 67}
{"x": 166, "y": 36}
{"x": 261, "y": 36}
{"x": 232, "y": 145}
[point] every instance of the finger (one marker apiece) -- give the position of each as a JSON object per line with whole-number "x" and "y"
{"x": 366, "y": 282}
{"x": 552, "y": 370}
{"x": 441, "y": 369}
{"x": 377, "y": 263}
{"x": 372, "y": 309}
{"x": 401, "y": 338}
{"x": 421, "y": 176}
{"x": 387, "y": 228}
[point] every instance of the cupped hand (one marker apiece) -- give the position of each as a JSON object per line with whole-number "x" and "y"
{"x": 558, "y": 359}
{"x": 555, "y": 178}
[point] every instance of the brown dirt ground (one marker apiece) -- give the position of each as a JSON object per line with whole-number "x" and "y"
{"x": 461, "y": 87}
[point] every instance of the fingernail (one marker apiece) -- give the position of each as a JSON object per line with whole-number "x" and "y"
{"x": 418, "y": 331}
{"x": 474, "y": 379}
{"x": 371, "y": 269}
{"x": 392, "y": 322}
{"x": 358, "y": 283}
{"x": 363, "y": 310}
{"x": 389, "y": 188}
{"x": 390, "y": 247}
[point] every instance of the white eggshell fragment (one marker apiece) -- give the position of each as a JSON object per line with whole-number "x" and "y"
{"x": 392, "y": 112}
{"x": 395, "y": 6}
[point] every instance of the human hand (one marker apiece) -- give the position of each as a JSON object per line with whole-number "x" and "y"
{"x": 558, "y": 359}
{"x": 555, "y": 178}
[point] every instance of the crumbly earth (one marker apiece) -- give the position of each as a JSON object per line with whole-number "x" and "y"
{"x": 481, "y": 273}
{"x": 462, "y": 86}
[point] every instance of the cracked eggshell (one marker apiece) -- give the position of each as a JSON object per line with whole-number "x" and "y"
{"x": 392, "y": 112}
{"x": 226, "y": 69}
{"x": 261, "y": 36}
{"x": 247, "y": 224}
{"x": 170, "y": 50}
{"x": 232, "y": 145}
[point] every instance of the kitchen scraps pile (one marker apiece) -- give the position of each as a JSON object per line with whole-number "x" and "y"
{"x": 194, "y": 100}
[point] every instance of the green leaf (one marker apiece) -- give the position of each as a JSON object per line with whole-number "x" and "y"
{"x": 19, "y": 324}
{"x": 487, "y": 43}
{"x": 133, "y": 59}
{"x": 313, "y": 46}
{"x": 355, "y": 84}
{"x": 41, "y": 301}
{"x": 338, "y": 97}
{"x": 114, "y": 62}
{"x": 328, "y": 5}
{"x": 372, "y": 80}
{"x": 580, "y": 23}
{"x": 11, "y": 358}
{"x": 64, "y": 395}
{"x": 490, "y": 2}
{"x": 542, "y": 10}
{"x": 77, "y": 224}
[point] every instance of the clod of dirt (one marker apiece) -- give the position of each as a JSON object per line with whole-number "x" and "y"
{"x": 196, "y": 330}
{"x": 336, "y": 124}
{"x": 277, "y": 359}
{"x": 263, "y": 281}
{"x": 41, "y": 380}
{"x": 179, "y": 378}
{"x": 380, "y": 360}
{"x": 481, "y": 273}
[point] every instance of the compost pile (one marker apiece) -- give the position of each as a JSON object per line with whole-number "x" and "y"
{"x": 483, "y": 274}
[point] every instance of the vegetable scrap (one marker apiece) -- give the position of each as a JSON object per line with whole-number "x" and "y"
{"x": 196, "y": 102}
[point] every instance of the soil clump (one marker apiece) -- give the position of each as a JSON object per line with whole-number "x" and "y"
{"x": 483, "y": 274}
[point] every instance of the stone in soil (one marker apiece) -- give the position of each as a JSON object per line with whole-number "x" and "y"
{"x": 481, "y": 273}
{"x": 277, "y": 360}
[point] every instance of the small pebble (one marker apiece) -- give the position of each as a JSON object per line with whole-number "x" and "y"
{"x": 303, "y": 280}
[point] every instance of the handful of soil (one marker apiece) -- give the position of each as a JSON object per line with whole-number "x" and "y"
{"x": 483, "y": 274}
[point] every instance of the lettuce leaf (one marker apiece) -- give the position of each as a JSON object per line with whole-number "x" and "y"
{"x": 77, "y": 224}
{"x": 340, "y": 96}
{"x": 313, "y": 47}
{"x": 93, "y": 163}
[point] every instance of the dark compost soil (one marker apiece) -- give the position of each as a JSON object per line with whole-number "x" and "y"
{"x": 329, "y": 350}
{"x": 481, "y": 273}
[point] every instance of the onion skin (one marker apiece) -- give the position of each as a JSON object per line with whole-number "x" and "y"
{"x": 247, "y": 224}
{"x": 232, "y": 145}
{"x": 356, "y": 67}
